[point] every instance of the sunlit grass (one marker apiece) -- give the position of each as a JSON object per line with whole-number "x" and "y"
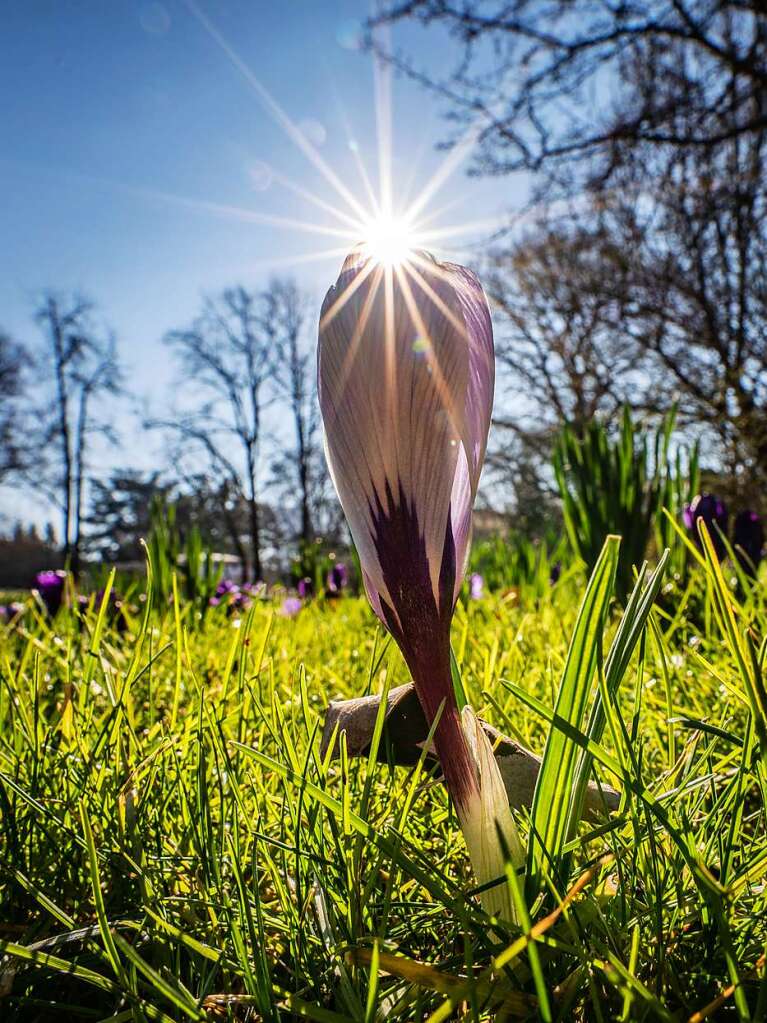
{"x": 219, "y": 866}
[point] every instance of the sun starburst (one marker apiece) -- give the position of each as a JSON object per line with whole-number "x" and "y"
{"x": 388, "y": 225}
{"x": 389, "y": 240}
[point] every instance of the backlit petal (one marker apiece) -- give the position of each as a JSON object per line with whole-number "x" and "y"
{"x": 481, "y": 380}
{"x": 394, "y": 378}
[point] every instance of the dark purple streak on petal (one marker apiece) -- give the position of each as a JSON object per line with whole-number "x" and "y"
{"x": 421, "y": 627}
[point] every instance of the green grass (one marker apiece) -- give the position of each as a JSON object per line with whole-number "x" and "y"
{"x": 172, "y": 847}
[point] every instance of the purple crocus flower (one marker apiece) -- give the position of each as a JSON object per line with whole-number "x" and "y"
{"x": 476, "y": 586}
{"x": 555, "y": 573}
{"x": 748, "y": 540}
{"x": 305, "y": 587}
{"x": 10, "y": 611}
{"x": 406, "y": 378}
{"x": 50, "y": 586}
{"x": 241, "y": 601}
{"x": 291, "y": 606}
{"x": 225, "y": 591}
{"x": 338, "y": 578}
{"x": 713, "y": 511}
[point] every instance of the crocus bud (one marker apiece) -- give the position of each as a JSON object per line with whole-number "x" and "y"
{"x": 406, "y": 377}
{"x": 50, "y": 586}
{"x": 713, "y": 511}
{"x": 748, "y": 540}
{"x": 338, "y": 578}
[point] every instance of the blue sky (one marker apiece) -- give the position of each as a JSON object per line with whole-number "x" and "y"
{"x": 111, "y": 108}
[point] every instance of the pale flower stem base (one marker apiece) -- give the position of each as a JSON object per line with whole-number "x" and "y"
{"x": 485, "y": 817}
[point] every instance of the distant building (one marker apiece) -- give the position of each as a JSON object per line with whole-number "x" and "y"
{"x": 488, "y": 522}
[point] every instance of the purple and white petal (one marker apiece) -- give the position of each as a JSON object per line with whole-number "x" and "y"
{"x": 481, "y": 382}
{"x": 461, "y": 504}
{"x": 393, "y": 373}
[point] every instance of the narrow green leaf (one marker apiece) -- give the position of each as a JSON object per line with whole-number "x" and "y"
{"x": 554, "y": 790}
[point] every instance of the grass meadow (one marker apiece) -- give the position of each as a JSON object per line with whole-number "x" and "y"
{"x": 173, "y": 847}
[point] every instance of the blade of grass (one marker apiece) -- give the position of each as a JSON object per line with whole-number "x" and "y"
{"x": 553, "y": 799}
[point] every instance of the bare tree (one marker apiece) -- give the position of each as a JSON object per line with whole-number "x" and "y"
{"x": 649, "y": 300}
{"x": 227, "y": 359}
{"x": 695, "y": 263}
{"x": 559, "y": 338}
{"x": 577, "y": 88}
{"x": 13, "y": 359}
{"x": 301, "y": 468}
{"x": 83, "y": 366}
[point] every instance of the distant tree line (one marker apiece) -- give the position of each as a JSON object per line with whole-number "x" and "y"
{"x": 245, "y": 363}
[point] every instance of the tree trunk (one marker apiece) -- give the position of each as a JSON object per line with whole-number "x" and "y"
{"x": 255, "y": 540}
{"x": 237, "y": 544}
{"x": 306, "y": 518}
{"x": 79, "y": 481}
{"x": 64, "y": 430}
{"x": 253, "y": 516}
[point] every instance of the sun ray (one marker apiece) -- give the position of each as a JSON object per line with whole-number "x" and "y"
{"x": 368, "y": 184}
{"x": 345, "y": 295}
{"x": 424, "y": 285}
{"x": 452, "y": 161}
{"x": 359, "y": 327}
{"x": 355, "y": 151}
{"x": 275, "y": 110}
{"x": 241, "y": 213}
{"x": 460, "y": 151}
{"x": 382, "y": 91}
{"x": 438, "y": 212}
{"x": 416, "y": 316}
{"x": 452, "y": 230}
{"x": 319, "y": 256}
{"x": 415, "y": 163}
{"x": 350, "y": 236}
{"x": 322, "y": 204}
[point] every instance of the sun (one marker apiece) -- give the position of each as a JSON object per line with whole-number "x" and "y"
{"x": 389, "y": 240}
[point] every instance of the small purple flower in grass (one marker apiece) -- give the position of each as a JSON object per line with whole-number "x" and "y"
{"x": 338, "y": 578}
{"x": 713, "y": 512}
{"x": 8, "y": 612}
{"x": 476, "y": 586}
{"x": 406, "y": 377}
{"x": 555, "y": 573}
{"x": 305, "y": 587}
{"x": 291, "y": 606}
{"x": 748, "y": 541}
{"x": 226, "y": 591}
{"x": 50, "y": 586}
